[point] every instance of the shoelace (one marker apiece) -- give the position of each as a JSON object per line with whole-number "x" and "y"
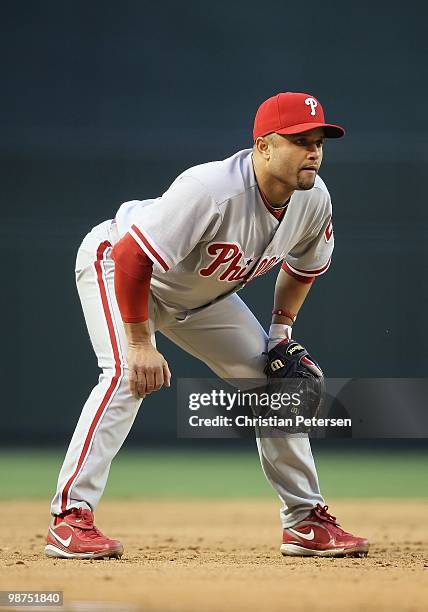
{"x": 321, "y": 511}
{"x": 93, "y": 533}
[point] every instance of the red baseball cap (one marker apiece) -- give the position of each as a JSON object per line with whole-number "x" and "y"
{"x": 292, "y": 113}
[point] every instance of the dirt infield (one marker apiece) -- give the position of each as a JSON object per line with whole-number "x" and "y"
{"x": 223, "y": 555}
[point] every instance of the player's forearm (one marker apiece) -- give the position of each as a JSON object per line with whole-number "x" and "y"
{"x": 138, "y": 333}
{"x": 289, "y": 296}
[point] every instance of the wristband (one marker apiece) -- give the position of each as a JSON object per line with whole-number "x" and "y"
{"x": 278, "y": 332}
{"x": 283, "y": 312}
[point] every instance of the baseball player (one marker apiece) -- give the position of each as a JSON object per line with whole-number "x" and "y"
{"x": 174, "y": 264}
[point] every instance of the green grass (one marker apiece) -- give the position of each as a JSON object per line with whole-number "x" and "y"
{"x": 172, "y": 474}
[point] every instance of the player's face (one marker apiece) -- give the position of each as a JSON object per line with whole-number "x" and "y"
{"x": 296, "y": 158}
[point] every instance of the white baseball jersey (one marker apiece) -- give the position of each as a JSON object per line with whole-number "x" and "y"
{"x": 211, "y": 233}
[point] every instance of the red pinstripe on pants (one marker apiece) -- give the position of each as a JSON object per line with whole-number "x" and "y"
{"x": 101, "y": 251}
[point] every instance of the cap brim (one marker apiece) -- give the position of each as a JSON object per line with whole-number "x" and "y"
{"x": 330, "y": 130}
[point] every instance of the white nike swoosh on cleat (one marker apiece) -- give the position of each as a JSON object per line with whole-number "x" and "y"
{"x": 65, "y": 543}
{"x": 305, "y": 536}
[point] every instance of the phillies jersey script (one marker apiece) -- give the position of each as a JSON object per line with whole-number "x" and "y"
{"x": 211, "y": 233}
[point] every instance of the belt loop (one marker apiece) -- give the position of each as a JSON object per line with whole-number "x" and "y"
{"x": 113, "y": 232}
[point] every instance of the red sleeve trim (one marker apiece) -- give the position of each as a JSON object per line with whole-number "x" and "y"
{"x": 302, "y": 279}
{"x": 306, "y": 273}
{"x": 142, "y": 241}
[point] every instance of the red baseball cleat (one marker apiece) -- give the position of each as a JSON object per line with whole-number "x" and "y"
{"x": 74, "y": 536}
{"x": 318, "y": 535}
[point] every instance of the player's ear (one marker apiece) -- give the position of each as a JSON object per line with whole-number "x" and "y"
{"x": 263, "y": 146}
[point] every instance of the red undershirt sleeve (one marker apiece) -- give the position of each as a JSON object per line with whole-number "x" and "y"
{"x": 132, "y": 275}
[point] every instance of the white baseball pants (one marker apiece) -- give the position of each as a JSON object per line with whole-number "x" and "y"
{"x": 226, "y": 336}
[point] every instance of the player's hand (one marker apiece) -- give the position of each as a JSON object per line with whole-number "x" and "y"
{"x": 148, "y": 369}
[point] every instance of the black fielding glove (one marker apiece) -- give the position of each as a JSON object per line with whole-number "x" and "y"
{"x": 290, "y": 369}
{"x": 289, "y": 359}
